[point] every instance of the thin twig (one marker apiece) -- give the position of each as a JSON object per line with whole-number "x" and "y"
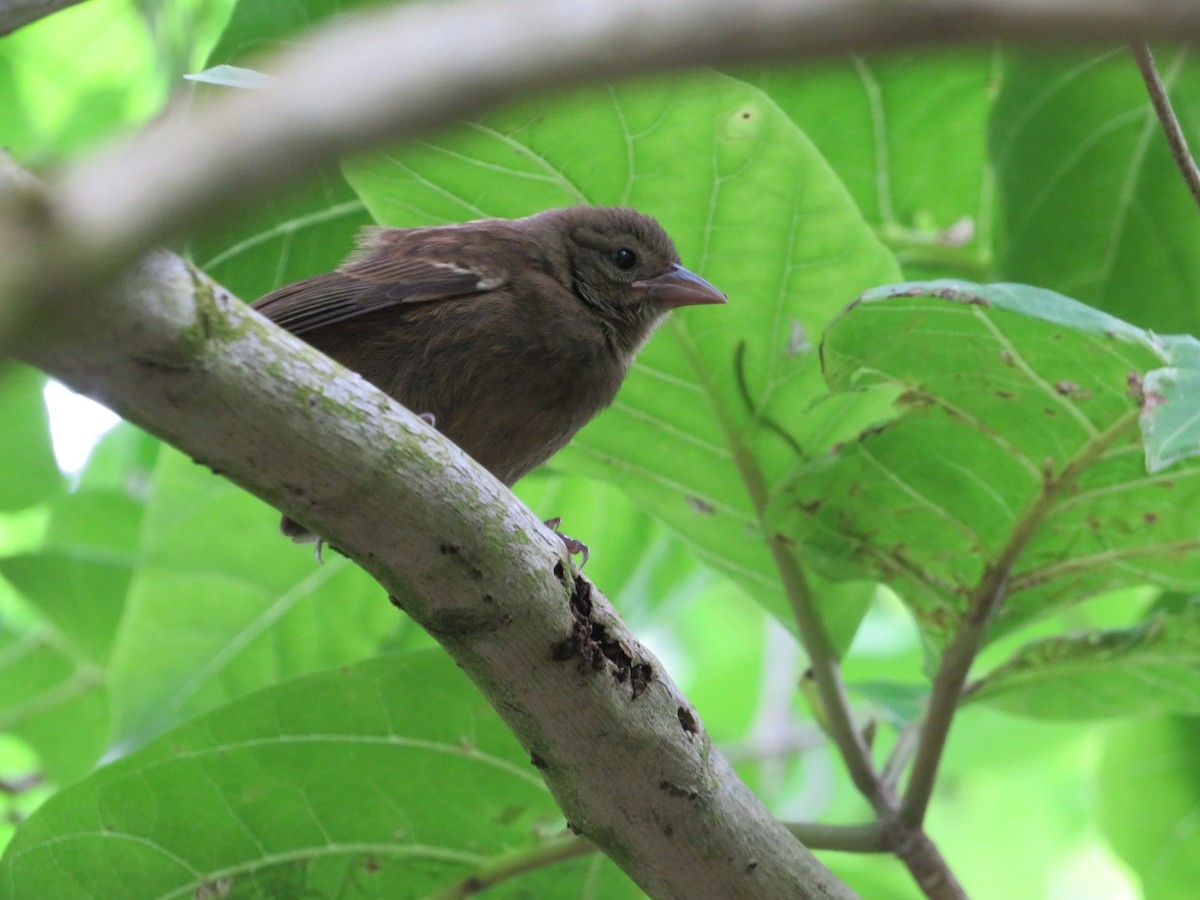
{"x": 866, "y": 838}
{"x": 830, "y": 686}
{"x": 519, "y": 862}
{"x": 1167, "y": 118}
{"x": 960, "y": 653}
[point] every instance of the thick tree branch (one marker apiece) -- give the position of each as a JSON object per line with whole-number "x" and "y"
{"x": 400, "y": 71}
{"x": 176, "y": 355}
{"x": 622, "y": 750}
{"x": 16, "y": 13}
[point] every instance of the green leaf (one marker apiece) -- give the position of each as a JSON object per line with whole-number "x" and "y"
{"x": 312, "y": 228}
{"x": 222, "y": 604}
{"x": 53, "y": 656}
{"x": 80, "y": 75}
{"x": 754, "y": 208}
{"x": 123, "y": 460}
{"x": 1149, "y": 791}
{"x": 51, "y": 699}
{"x": 1092, "y": 204}
{"x": 1171, "y": 415}
{"x": 390, "y": 778}
{"x": 30, "y": 473}
{"x": 906, "y": 133}
{"x": 1150, "y": 670}
{"x": 1006, "y": 389}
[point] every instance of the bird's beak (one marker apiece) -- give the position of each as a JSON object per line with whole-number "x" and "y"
{"x": 679, "y": 287}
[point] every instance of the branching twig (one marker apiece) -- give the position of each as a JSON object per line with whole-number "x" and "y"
{"x": 1176, "y": 139}
{"x": 396, "y": 73}
{"x": 960, "y": 653}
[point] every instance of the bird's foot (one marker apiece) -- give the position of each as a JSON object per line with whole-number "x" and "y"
{"x": 573, "y": 546}
{"x": 301, "y": 535}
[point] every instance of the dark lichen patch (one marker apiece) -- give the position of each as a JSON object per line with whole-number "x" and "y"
{"x": 676, "y": 791}
{"x": 590, "y": 643}
{"x": 640, "y": 677}
{"x": 687, "y": 720}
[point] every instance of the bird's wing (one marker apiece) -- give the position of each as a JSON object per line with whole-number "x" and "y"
{"x": 394, "y": 266}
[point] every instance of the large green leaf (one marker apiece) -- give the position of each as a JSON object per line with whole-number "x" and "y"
{"x": 1152, "y": 669}
{"x": 1092, "y": 204}
{"x": 1149, "y": 791}
{"x": 1006, "y": 389}
{"x": 79, "y": 75}
{"x": 720, "y": 397}
{"x": 311, "y": 228}
{"x": 222, "y": 604}
{"x": 30, "y": 473}
{"x": 52, "y": 699}
{"x": 54, "y": 652}
{"x": 906, "y": 132}
{"x": 57, "y": 643}
{"x": 390, "y": 778}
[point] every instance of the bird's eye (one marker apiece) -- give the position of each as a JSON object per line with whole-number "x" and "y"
{"x": 624, "y": 258}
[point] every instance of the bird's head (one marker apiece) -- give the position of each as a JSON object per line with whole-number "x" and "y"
{"x": 622, "y": 266}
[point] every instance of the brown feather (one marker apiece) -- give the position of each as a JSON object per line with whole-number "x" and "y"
{"x": 512, "y": 333}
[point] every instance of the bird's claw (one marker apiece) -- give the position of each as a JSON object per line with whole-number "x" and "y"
{"x": 574, "y": 547}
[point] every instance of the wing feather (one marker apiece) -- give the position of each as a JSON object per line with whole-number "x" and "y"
{"x": 395, "y": 266}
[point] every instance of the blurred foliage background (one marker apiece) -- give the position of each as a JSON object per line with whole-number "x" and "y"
{"x": 174, "y": 672}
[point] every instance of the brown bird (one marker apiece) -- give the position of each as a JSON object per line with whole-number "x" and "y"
{"x": 508, "y": 334}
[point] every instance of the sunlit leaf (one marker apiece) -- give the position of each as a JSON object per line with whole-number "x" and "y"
{"x": 251, "y": 799}
{"x": 29, "y": 473}
{"x": 222, "y": 604}
{"x": 906, "y": 133}
{"x": 723, "y": 397}
{"x": 1149, "y": 790}
{"x": 1092, "y": 203}
{"x": 1006, "y": 388}
{"x": 1149, "y": 670}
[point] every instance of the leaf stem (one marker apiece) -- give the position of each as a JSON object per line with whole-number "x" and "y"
{"x": 908, "y": 842}
{"x": 987, "y": 596}
{"x": 518, "y": 862}
{"x": 1176, "y": 139}
{"x": 914, "y": 247}
{"x": 827, "y": 673}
